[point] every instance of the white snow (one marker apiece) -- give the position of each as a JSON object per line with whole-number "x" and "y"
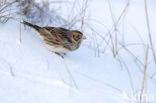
{"x": 29, "y": 73}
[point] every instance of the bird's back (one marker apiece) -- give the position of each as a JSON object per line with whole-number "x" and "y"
{"x": 57, "y": 38}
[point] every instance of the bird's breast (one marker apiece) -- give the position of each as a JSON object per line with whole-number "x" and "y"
{"x": 58, "y": 49}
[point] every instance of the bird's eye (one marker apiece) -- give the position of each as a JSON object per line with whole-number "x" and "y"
{"x": 76, "y": 37}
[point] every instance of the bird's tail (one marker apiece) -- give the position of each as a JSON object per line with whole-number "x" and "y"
{"x": 31, "y": 25}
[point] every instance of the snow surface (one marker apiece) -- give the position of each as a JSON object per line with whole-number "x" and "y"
{"x": 29, "y": 73}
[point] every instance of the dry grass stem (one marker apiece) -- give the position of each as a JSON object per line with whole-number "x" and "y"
{"x": 149, "y": 31}
{"x": 143, "y": 87}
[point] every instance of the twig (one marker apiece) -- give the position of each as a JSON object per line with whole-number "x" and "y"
{"x": 99, "y": 81}
{"x": 20, "y": 34}
{"x": 128, "y": 72}
{"x": 144, "y": 75}
{"x": 149, "y": 31}
{"x": 9, "y": 65}
{"x": 115, "y": 44}
{"x": 59, "y": 2}
{"x": 69, "y": 73}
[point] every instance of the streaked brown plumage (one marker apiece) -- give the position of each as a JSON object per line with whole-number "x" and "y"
{"x": 57, "y": 39}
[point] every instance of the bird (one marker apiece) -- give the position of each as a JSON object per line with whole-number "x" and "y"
{"x": 57, "y": 39}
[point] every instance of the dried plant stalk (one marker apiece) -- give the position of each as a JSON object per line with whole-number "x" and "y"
{"x": 149, "y": 31}
{"x": 143, "y": 88}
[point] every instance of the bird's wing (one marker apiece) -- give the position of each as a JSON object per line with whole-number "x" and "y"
{"x": 60, "y": 36}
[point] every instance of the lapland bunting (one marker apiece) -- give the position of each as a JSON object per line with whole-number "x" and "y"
{"x": 57, "y": 39}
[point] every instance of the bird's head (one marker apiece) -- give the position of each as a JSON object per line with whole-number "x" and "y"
{"x": 77, "y": 36}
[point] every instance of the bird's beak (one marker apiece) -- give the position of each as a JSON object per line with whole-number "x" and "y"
{"x": 84, "y": 37}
